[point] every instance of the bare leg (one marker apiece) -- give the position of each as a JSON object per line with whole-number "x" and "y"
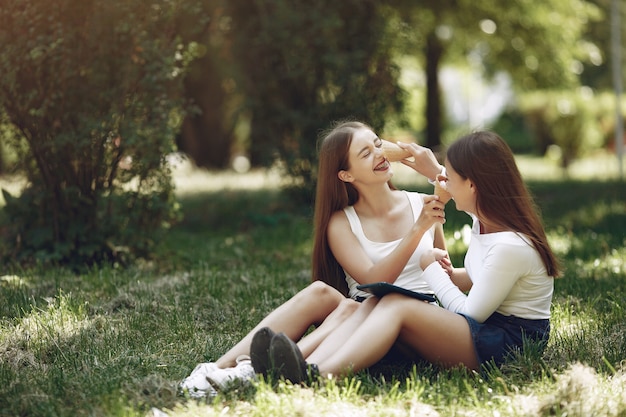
{"x": 343, "y": 313}
{"x": 341, "y": 331}
{"x": 439, "y": 335}
{"x": 309, "y": 306}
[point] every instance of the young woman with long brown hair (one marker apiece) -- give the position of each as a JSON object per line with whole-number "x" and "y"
{"x": 365, "y": 231}
{"x": 489, "y": 308}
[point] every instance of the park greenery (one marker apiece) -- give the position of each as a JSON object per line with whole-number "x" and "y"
{"x": 94, "y": 96}
{"x": 91, "y": 95}
{"x": 118, "y": 273}
{"x": 116, "y": 341}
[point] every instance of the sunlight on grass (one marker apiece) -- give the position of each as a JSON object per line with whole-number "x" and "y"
{"x": 594, "y": 213}
{"x": 559, "y": 242}
{"x": 12, "y": 281}
{"x": 578, "y": 324}
{"x": 188, "y": 180}
{"x": 614, "y": 263}
{"x": 578, "y": 391}
{"x": 570, "y": 322}
{"x": 600, "y": 165}
{"x": 42, "y": 329}
{"x": 327, "y": 399}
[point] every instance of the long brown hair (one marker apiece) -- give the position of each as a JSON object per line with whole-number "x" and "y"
{"x": 501, "y": 195}
{"x": 332, "y": 195}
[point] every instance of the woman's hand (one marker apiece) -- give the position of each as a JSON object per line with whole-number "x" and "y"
{"x": 432, "y": 212}
{"x": 437, "y": 255}
{"x": 446, "y": 264}
{"x": 424, "y": 160}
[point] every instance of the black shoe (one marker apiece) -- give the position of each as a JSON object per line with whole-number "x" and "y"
{"x": 313, "y": 373}
{"x": 260, "y": 351}
{"x": 287, "y": 359}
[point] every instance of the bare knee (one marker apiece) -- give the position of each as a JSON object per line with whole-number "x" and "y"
{"x": 347, "y": 306}
{"x": 323, "y": 296}
{"x": 323, "y": 292}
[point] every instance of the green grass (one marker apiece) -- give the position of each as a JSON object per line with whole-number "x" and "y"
{"x": 114, "y": 342}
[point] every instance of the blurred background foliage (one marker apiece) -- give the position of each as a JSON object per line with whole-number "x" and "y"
{"x": 95, "y": 95}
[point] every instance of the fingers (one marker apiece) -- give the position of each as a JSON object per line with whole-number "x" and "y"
{"x": 411, "y": 147}
{"x": 431, "y": 197}
{"x": 440, "y": 256}
{"x": 436, "y": 255}
{"x": 422, "y": 159}
{"x": 432, "y": 212}
{"x": 418, "y": 152}
{"x": 434, "y": 202}
{"x": 445, "y": 262}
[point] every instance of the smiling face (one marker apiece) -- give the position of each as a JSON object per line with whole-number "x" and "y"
{"x": 366, "y": 159}
{"x": 462, "y": 190}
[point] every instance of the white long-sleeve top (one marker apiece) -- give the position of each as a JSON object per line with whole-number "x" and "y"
{"x": 507, "y": 276}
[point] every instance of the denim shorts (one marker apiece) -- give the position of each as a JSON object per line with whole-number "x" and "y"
{"x": 500, "y": 336}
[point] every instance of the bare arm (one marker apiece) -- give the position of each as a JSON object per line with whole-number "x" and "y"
{"x": 459, "y": 276}
{"x": 439, "y": 241}
{"x": 351, "y": 256}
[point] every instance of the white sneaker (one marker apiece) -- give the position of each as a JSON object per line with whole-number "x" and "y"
{"x": 243, "y": 373}
{"x": 197, "y": 384}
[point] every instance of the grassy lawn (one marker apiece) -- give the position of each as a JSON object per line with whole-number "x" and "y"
{"x": 113, "y": 342}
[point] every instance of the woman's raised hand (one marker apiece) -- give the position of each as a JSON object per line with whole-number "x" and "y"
{"x": 423, "y": 161}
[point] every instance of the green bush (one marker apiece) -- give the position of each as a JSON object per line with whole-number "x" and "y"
{"x": 93, "y": 88}
{"x": 513, "y": 128}
{"x": 565, "y": 118}
{"x": 604, "y": 110}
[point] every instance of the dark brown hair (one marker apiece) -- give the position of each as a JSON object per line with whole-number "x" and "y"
{"x": 332, "y": 195}
{"x": 501, "y": 195}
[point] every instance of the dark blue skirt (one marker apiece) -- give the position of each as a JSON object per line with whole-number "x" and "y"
{"x": 500, "y": 336}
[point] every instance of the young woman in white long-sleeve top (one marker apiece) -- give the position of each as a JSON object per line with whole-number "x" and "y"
{"x": 488, "y": 308}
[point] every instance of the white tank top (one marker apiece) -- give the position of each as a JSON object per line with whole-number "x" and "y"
{"x": 411, "y": 276}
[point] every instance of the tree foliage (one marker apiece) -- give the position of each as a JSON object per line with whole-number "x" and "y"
{"x": 91, "y": 85}
{"x": 93, "y": 89}
{"x": 538, "y": 43}
{"x": 597, "y": 71}
{"x": 302, "y": 64}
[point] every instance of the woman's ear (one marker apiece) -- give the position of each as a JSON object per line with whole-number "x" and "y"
{"x": 345, "y": 176}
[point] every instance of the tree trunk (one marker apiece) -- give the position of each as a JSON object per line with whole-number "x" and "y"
{"x": 434, "y": 52}
{"x": 203, "y": 136}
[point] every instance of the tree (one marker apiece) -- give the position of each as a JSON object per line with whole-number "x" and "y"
{"x": 207, "y": 133}
{"x": 597, "y": 71}
{"x": 94, "y": 91}
{"x": 302, "y": 64}
{"x": 538, "y": 42}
